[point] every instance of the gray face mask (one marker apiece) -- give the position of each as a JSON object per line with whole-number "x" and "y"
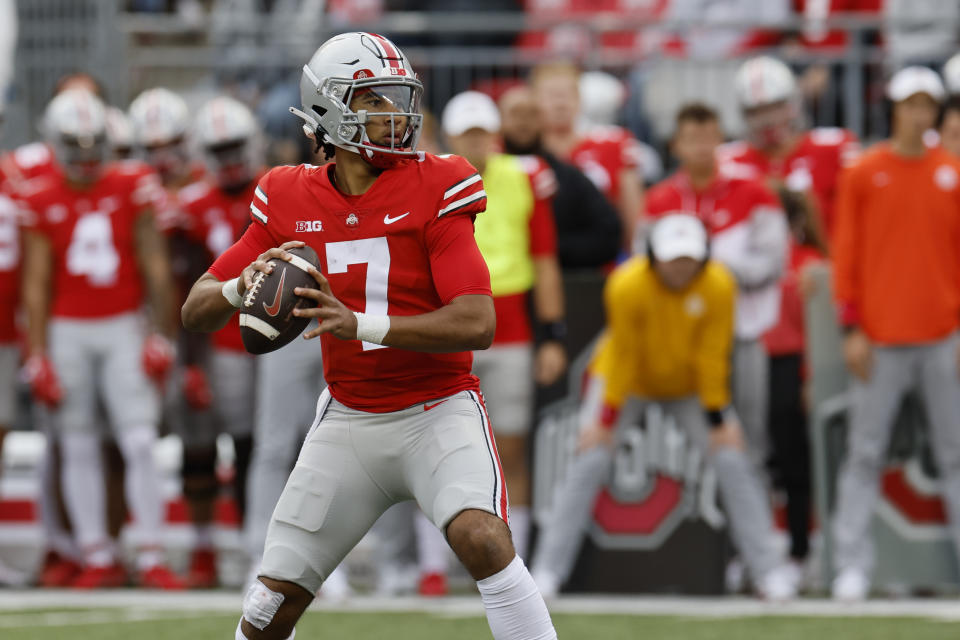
{"x": 81, "y": 158}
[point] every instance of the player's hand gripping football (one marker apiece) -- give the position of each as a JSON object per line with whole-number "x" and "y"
{"x": 333, "y": 315}
{"x": 262, "y": 263}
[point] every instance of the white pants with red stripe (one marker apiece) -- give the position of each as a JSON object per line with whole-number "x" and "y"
{"x": 354, "y": 465}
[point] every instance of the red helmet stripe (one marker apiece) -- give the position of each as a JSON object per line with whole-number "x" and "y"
{"x": 389, "y": 52}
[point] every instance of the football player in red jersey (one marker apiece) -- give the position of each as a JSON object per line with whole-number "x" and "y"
{"x": 404, "y": 298}
{"x": 217, "y": 212}
{"x": 777, "y": 147}
{"x": 609, "y": 156}
{"x": 90, "y": 250}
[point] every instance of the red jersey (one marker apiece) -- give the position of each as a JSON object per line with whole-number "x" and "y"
{"x": 405, "y": 247}
{"x": 787, "y": 337}
{"x": 91, "y": 233}
{"x": 602, "y": 154}
{"x": 814, "y": 165}
{"x": 17, "y": 169}
{"x": 216, "y": 220}
{"x": 9, "y": 266}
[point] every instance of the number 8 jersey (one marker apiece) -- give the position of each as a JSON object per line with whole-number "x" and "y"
{"x": 405, "y": 247}
{"x": 92, "y": 238}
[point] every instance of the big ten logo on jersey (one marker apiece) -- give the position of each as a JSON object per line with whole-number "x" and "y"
{"x": 303, "y": 226}
{"x": 9, "y": 235}
{"x": 659, "y": 480}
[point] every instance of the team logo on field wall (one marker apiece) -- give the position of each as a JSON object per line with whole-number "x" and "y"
{"x": 659, "y": 479}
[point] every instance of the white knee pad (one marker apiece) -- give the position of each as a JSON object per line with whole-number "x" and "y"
{"x": 260, "y": 604}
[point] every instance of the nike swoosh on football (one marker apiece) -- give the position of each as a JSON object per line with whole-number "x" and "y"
{"x": 388, "y": 220}
{"x": 274, "y": 308}
{"x": 427, "y": 407}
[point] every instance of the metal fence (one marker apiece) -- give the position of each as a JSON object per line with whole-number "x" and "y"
{"x": 452, "y": 51}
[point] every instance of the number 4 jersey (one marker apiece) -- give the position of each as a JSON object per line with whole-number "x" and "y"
{"x": 405, "y": 247}
{"x": 92, "y": 238}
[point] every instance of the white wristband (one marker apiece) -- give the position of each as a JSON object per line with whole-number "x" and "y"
{"x": 372, "y": 328}
{"x": 229, "y": 290}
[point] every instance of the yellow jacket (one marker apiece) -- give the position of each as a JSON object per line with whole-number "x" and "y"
{"x": 663, "y": 344}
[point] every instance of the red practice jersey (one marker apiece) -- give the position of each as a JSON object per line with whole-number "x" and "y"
{"x": 814, "y": 166}
{"x": 602, "y": 154}
{"x": 405, "y": 247}
{"x": 9, "y": 262}
{"x": 215, "y": 220}
{"x": 91, "y": 233}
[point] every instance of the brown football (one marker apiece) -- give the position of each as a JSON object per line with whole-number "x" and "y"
{"x": 266, "y": 313}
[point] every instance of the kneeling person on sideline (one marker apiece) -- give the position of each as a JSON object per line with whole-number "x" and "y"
{"x": 668, "y": 341}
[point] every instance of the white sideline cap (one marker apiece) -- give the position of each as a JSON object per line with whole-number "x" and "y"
{"x": 470, "y": 110}
{"x": 678, "y": 235}
{"x": 913, "y": 80}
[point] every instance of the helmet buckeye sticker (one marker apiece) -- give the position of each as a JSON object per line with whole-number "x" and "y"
{"x": 362, "y": 73}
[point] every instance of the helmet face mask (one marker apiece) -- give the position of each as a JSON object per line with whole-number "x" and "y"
{"x": 375, "y": 116}
{"x": 770, "y": 125}
{"x": 81, "y": 157}
{"x": 229, "y": 162}
{"x": 227, "y": 136}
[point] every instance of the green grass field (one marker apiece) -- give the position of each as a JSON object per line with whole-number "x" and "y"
{"x": 141, "y": 624}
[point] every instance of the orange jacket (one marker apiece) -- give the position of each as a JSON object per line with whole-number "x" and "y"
{"x": 896, "y": 246}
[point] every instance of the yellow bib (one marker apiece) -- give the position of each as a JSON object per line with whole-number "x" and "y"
{"x": 503, "y": 230}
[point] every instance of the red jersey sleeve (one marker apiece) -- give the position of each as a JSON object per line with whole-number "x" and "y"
{"x": 462, "y": 188}
{"x": 543, "y": 183}
{"x": 456, "y": 263}
{"x": 251, "y": 244}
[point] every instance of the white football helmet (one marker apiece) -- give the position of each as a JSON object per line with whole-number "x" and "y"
{"x": 119, "y": 132}
{"x": 74, "y": 125}
{"x": 160, "y": 121}
{"x": 601, "y": 98}
{"x": 346, "y": 66}
{"x": 229, "y": 139}
{"x": 951, "y": 75}
{"x": 764, "y": 80}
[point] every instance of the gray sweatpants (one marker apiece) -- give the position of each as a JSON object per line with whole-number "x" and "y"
{"x": 288, "y": 383}
{"x": 932, "y": 369}
{"x": 751, "y": 391}
{"x": 740, "y": 489}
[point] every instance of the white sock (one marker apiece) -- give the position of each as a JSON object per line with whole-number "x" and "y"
{"x": 239, "y": 635}
{"x": 143, "y": 486}
{"x": 203, "y": 537}
{"x": 432, "y": 548}
{"x": 520, "y": 529}
{"x": 515, "y": 609}
{"x": 81, "y": 479}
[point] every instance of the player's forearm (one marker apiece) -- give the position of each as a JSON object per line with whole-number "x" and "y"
{"x": 206, "y": 309}
{"x": 36, "y": 305}
{"x": 462, "y": 325}
{"x": 548, "y": 290}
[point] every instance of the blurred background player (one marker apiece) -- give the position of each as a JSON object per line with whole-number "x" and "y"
{"x": 668, "y": 341}
{"x": 897, "y": 256}
{"x": 90, "y": 250}
{"x": 749, "y": 235}
{"x": 517, "y": 239}
{"x": 216, "y": 210}
{"x": 609, "y": 157}
{"x": 588, "y": 226}
{"x": 161, "y": 123}
{"x": 779, "y": 148}
{"x": 785, "y": 342}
